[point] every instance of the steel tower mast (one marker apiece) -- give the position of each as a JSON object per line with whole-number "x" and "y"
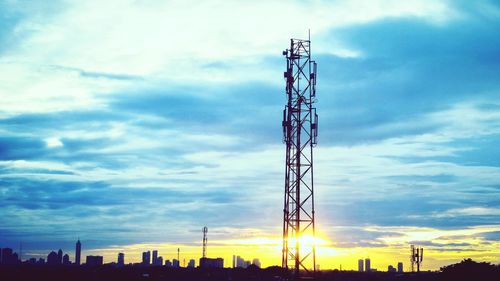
{"x": 300, "y": 130}
{"x": 205, "y": 230}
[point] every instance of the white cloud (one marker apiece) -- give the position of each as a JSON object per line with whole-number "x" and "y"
{"x": 53, "y": 142}
{"x": 148, "y": 37}
{"x": 171, "y": 41}
{"x": 29, "y": 87}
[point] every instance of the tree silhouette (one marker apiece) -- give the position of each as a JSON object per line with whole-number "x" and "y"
{"x": 470, "y": 270}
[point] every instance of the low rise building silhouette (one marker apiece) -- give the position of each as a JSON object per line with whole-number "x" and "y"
{"x": 94, "y": 260}
{"x": 400, "y": 267}
{"x": 211, "y": 263}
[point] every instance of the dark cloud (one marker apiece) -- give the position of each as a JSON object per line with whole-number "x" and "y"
{"x": 443, "y": 178}
{"x": 408, "y": 69}
{"x": 112, "y": 76}
{"x": 62, "y": 120}
{"x": 422, "y": 210}
{"x": 34, "y": 209}
{"x": 249, "y": 111}
{"x": 492, "y": 236}
{"x": 438, "y": 245}
{"x": 347, "y": 237}
{"x": 55, "y": 194}
{"x": 14, "y": 148}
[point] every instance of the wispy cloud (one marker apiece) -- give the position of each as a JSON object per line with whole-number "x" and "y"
{"x": 470, "y": 211}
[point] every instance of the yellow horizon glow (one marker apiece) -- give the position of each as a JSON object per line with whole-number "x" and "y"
{"x": 268, "y": 249}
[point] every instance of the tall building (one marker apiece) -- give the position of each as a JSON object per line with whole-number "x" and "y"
{"x": 191, "y": 263}
{"x": 159, "y": 261}
{"x": 65, "y": 260}
{"x": 146, "y": 258}
{"x": 360, "y": 265}
{"x": 155, "y": 257}
{"x": 256, "y": 262}
{"x": 234, "y": 261}
{"x": 168, "y": 263}
{"x": 400, "y": 267}
{"x": 9, "y": 256}
{"x": 78, "y": 252}
{"x": 391, "y": 268}
{"x": 175, "y": 263}
{"x": 367, "y": 265}
{"x": 94, "y": 260}
{"x": 6, "y": 254}
{"x": 52, "y": 258}
{"x": 121, "y": 259}
{"x": 59, "y": 256}
{"x": 240, "y": 262}
{"x": 15, "y": 258}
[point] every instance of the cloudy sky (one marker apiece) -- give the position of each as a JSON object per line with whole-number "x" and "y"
{"x": 133, "y": 124}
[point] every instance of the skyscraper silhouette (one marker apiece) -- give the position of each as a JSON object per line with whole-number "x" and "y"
{"x": 367, "y": 265}
{"x": 78, "y": 252}
{"x": 121, "y": 259}
{"x": 155, "y": 257}
{"x": 146, "y": 258}
{"x": 59, "y": 256}
{"x": 360, "y": 265}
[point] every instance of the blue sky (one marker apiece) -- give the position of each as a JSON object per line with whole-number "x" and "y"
{"x": 133, "y": 124}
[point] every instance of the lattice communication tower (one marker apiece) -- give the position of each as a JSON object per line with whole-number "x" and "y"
{"x": 300, "y": 131}
{"x": 205, "y": 230}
